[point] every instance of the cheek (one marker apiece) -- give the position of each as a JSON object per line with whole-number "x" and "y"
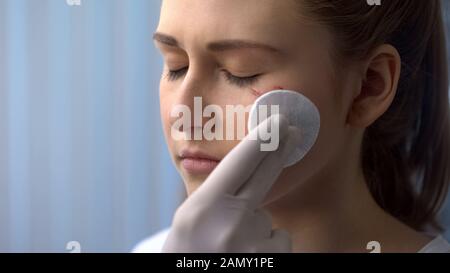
{"x": 221, "y": 95}
{"x": 231, "y": 97}
{"x": 322, "y": 92}
{"x": 315, "y": 164}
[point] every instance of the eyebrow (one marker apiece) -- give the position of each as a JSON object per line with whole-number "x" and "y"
{"x": 217, "y": 46}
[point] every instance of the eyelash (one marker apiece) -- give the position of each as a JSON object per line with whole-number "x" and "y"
{"x": 174, "y": 75}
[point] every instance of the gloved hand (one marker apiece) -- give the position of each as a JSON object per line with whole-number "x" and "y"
{"x": 224, "y": 214}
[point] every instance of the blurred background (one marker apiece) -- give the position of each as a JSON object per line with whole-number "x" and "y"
{"x": 82, "y": 154}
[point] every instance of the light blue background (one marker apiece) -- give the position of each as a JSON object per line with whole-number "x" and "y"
{"x": 82, "y": 155}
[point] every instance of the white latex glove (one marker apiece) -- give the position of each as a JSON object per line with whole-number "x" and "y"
{"x": 224, "y": 214}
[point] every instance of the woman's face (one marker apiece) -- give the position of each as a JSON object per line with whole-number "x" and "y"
{"x": 228, "y": 51}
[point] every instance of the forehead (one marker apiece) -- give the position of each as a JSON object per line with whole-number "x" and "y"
{"x": 264, "y": 20}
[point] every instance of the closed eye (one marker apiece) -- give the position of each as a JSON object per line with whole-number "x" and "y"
{"x": 174, "y": 75}
{"x": 240, "y": 81}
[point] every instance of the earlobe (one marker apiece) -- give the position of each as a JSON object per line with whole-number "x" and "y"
{"x": 378, "y": 87}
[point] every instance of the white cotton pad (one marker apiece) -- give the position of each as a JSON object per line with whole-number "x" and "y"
{"x": 301, "y": 113}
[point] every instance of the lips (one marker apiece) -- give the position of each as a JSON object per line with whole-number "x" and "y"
{"x": 197, "y": 162}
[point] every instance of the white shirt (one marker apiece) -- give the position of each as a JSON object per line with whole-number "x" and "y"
{"x": 437, "y": 245}
{"x": 154, "y": 244}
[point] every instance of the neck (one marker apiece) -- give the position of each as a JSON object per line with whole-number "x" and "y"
{"x": 335, "y": 212}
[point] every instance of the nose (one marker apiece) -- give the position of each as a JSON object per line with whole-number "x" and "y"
{"x": 193, "y": 95}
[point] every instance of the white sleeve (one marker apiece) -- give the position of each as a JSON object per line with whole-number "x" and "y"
{"x": 437, "y": 245}
{"x": 152, "y": 244}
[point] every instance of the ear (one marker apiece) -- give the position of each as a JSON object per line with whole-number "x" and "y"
{"x": 381, "y": 73}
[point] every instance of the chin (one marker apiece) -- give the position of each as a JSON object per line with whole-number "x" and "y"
{"x": 193, "y": 183}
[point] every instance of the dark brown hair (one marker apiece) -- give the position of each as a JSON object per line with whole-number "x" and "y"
{"x": 406, "y": 152}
